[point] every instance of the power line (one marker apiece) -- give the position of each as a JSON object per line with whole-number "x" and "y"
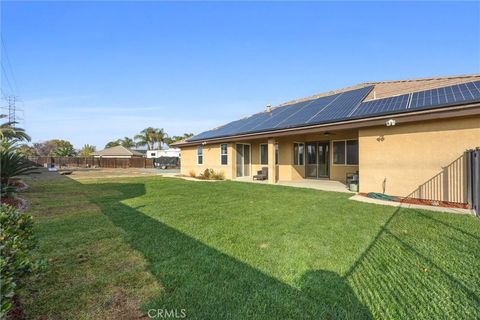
{"x": 6, "y": 77}
{"x": 9, "y": 64}
{"x": 12, "y": 108}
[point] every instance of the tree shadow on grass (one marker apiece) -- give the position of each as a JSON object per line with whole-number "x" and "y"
{"x": 209, "y": 284}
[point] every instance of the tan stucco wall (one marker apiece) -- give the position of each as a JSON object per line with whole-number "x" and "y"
{"x": 211, "y": 160}
{"x": 408, "y": 155}
{"x": 285, "y": 170}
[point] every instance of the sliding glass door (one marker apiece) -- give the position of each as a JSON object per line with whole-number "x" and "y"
{"x": 243, "y": 159}
{"x": 316, "y": 165}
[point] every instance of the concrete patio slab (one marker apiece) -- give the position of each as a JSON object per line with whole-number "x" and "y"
{"x": 319, "y": 184}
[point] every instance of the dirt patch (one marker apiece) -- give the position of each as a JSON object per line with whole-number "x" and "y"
{"x": 16, "y": 312}
{"x": 121, "y": 306}
{"x": 433, "y": 203}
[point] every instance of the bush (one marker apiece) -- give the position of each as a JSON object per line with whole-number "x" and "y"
{"x": 210, "y": 174}
{"x": 218, "y": 176}
{"x": 13, "y": 165}
{"x": 17, "y": 244}
{"x": 192, "y": 173}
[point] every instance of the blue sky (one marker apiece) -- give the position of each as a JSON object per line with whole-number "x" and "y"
{"x": 91, "y": 72}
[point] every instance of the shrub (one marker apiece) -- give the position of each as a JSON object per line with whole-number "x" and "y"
{"x": 192, "y": 173}
{"x": 16, "y": 248}
{"x": 207, "y": 174}
{"x": 210, "y": 174}
{"x": 218, "y": 176}
{"x": 13, "y": 165}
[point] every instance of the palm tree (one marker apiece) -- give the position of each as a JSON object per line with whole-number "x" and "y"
{"x": 160, "y": 137}
{"x": 128, "y": 143}
{"x": 146, "y": 137}
{"x": 174, "y": 139}
{"x": 8, "y": 131}
{"x": 87, "y": 150}
{"x": 113, "y": 144}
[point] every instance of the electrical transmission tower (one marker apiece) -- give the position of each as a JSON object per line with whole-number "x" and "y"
{"x": 13, "y": 110}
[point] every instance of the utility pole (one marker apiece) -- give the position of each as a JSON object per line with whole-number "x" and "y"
{"x": 12, "y": 110}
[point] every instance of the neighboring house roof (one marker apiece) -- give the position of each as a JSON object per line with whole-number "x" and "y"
{"x": 142, "y": 151}
{"x": 117, "y": 151}
{"x": 363, "y": 101}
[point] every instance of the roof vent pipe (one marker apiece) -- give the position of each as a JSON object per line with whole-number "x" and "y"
{"x": 268, "y": 108}
{"x": 374, "y": 95}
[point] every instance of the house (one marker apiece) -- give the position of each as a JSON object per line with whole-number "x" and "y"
{"x": 171, "y": 152}
{"x": 398, "y": 136}
{"x": 117, "y": 152}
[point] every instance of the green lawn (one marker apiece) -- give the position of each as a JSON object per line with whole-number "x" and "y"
{"x": 236, "y": 250}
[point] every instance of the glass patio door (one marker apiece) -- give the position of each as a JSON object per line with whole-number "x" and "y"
{"x": 311, "y": 167}
{"x": 316, "y": 165}
{"x": 243, "y": 159}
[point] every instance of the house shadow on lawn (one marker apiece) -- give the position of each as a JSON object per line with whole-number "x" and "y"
{"x": 209, "y": 284}
{"x": 403, "y": 273}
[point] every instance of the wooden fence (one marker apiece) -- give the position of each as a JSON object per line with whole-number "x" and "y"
{"x": 91, "y": 162}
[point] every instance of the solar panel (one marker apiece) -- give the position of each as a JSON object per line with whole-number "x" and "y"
{"x": 345, "y": 105}
{"x": 381, "y": 106}
{"x": 274, "y": 121}
{"x": 456, "y": 94}
{"x": 310, "y": 109}
{"x": 341, "y": 107}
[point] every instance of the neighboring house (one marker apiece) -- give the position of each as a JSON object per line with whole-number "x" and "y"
{"x": 172, "y": 152}
{"x": 117, "y": 152}
{"x": 396, "y": 134}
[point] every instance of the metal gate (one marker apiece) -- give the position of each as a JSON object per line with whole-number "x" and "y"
{"x": 473, "y": 179}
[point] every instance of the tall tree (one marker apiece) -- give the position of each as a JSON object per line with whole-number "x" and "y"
{"x": 187, "y": 135}
{"x": 128, "y": 143}
{"x": 44, "y": 149}
{"x": 63, "y": 148}
{"x": 113, "y": 143}
{"x": 87, "y": 150}
{"x": 26, "y": 151}
{"x": 174, "y": 139}
{"x": 146, "y": 138}
{"x": 160, "y": 137}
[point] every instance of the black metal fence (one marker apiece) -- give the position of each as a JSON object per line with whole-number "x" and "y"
{"x": 473, "y": 179}
{"x": 448, "y": 185}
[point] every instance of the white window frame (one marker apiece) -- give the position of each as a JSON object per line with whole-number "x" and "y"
{"x": 260, "y": 154}
{"x": 199, "y": 147}
{"x": 223, "y": 154}
{"x": 249, "y": 155}
{"x": 298, "y": 159}
{"x": 345, "y": 162}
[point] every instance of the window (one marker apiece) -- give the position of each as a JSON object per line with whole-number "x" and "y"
{"x": 345, "y": 152}
{"x": 352, "y": 152}
{"x": 298, "y": 154}
{"x": 223, "y": 154}
{"x": 339, "y": 152}
{"x": 264, "y": 154}
{"x": 152, "y": 154}
{"x": 200, "y": 154}
{"x": 276, "y": 153}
